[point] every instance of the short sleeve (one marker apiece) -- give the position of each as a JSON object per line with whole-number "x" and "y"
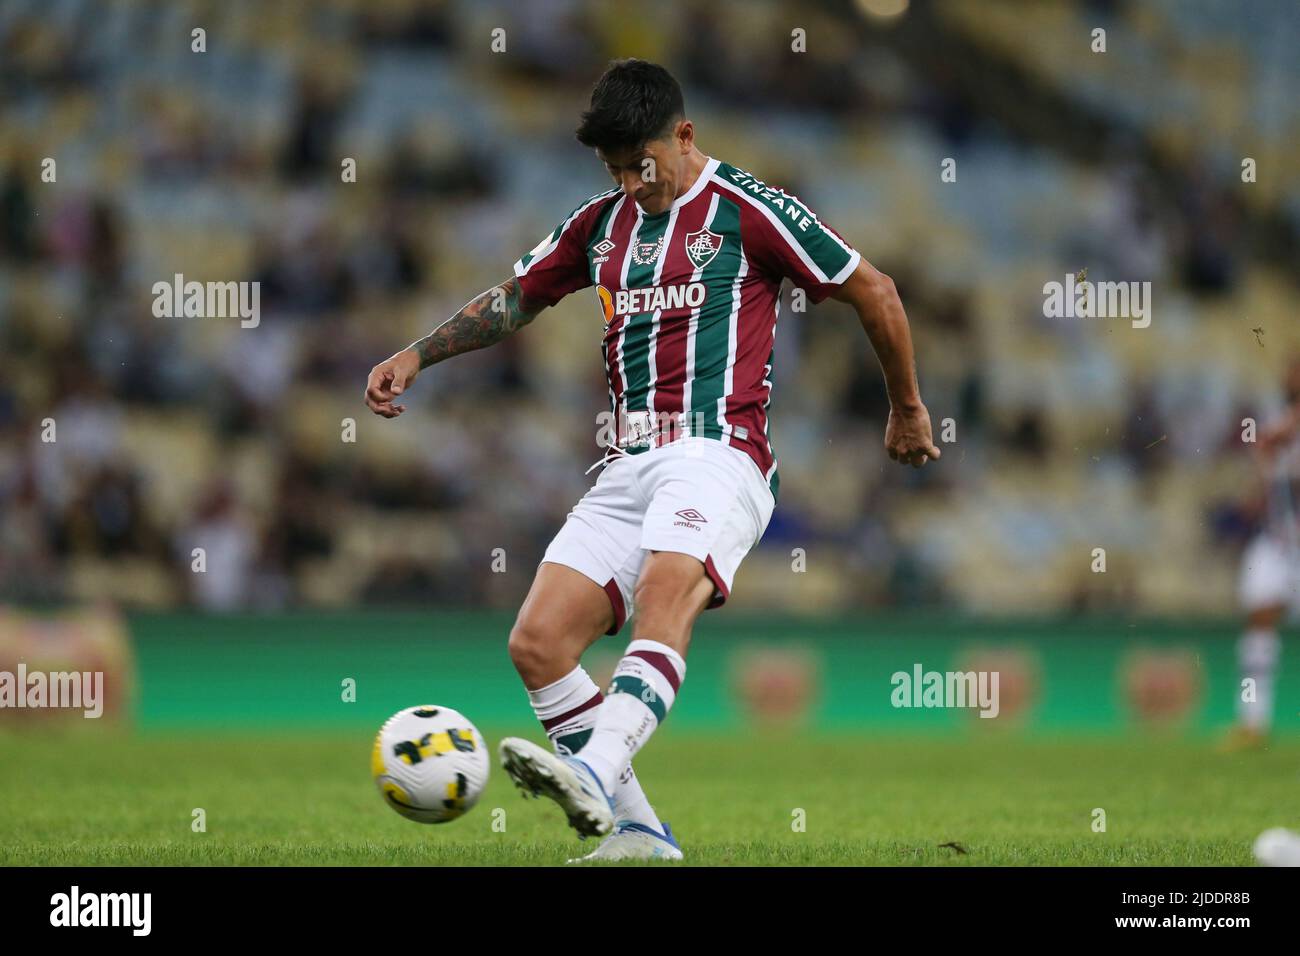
{"x": 791, "y": 241}
{"x": 558, "y": 264}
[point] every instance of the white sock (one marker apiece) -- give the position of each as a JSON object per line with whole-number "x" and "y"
{"x": 567, "y": 711}
{"x": 644, "y": 687}
{"x": 1258, "y": 651}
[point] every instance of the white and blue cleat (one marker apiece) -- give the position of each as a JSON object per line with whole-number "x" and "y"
{"x": 566, "y": 780}
{"x": 635, "y": 841}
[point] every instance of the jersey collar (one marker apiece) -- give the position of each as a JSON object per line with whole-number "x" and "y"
{"x": 697, "y": 187}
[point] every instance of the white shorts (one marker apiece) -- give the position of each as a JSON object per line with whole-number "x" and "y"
{"x": 694, "y": 496}
{"x": 1269, "y": 575}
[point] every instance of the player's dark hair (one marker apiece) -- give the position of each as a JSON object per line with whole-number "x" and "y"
{"x": 633, "y": 102}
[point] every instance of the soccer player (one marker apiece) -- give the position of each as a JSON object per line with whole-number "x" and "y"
{"x": 1270, "y": 570}
{"x": 687, "y": 255}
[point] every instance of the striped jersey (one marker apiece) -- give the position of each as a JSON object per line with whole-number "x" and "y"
{"x": 688, "y": 299}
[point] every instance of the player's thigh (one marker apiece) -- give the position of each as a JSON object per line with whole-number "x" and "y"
{"x": 563, "y": 614}
{"x": 708, "y": 501}
{"x": 709, "y": 506}
{"x": 600, "y": 539}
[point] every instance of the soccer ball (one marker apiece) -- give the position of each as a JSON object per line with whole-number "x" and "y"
{"x": 1278, "y": 847}
{"x": 430, "y": 763}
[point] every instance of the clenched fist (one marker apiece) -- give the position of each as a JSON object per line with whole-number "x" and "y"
{"x": 391, "y": 378}
{"x": 907, "y": 436}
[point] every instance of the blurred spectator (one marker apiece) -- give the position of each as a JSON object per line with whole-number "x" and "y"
{"x": 253, "y": 444}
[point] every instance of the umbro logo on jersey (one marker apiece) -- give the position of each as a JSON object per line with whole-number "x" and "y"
{"x": 603, "y": 246}
{"x": 647, "y": 253}
{"x": 702, "y": 246}
{"x": 650, "y": 299}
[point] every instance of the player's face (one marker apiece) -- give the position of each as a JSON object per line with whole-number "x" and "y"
{"x": 649, "y": 174}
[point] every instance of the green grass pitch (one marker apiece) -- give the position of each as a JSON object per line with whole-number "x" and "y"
{"x": 88, "y": 799}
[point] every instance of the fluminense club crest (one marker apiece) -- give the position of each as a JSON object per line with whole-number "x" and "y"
{"x": 702, "y": 246}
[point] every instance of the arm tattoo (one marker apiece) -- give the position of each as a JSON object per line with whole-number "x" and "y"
{"x": 482, "y": 321}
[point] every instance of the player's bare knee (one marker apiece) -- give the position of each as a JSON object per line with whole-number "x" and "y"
{"x": 659, "y": 597}
{"x": 673, "y": 581}
{"x": 668, "y": 599}
{"x": 533, "y": 650}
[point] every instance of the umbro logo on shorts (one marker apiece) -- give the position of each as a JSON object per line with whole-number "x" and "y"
{"x": 688, "y": 516}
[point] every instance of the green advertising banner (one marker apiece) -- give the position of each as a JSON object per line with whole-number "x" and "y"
{"x": 886, "y": 671}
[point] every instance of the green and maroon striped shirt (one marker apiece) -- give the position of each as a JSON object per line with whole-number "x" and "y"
{"x": 689, "y": 300}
